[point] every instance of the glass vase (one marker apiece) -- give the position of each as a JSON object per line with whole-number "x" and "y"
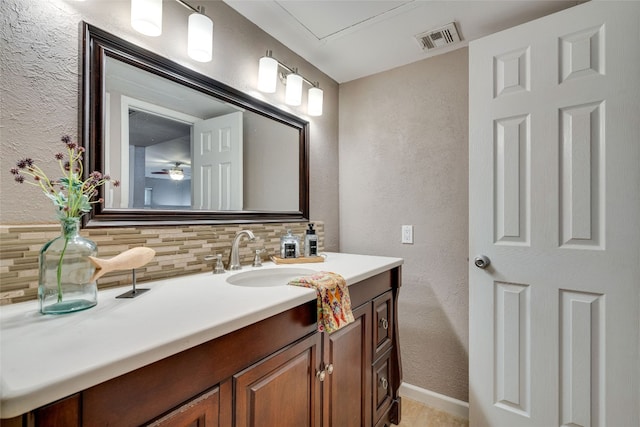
{"x": 65, "y": 272}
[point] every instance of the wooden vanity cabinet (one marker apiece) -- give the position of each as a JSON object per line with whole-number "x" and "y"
{"x": 276, "y": 372}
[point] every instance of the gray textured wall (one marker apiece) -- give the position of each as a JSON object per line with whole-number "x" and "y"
{"x": 39, "y": 87}
{"x": 404, "y": 160}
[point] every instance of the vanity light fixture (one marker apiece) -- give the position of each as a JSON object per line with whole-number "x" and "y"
{"x": 146, "y": 18}
{"x": 268, "y": 78}
{"x": 200, "y": 34}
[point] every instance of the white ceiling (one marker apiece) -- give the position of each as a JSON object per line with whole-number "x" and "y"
{"x": 349, "y": 39}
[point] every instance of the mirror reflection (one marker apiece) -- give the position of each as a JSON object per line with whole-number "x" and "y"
{"x": 176, "y": 148}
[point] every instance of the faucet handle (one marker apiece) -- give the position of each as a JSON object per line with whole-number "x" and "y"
{"x": 257, "y": 261}
{"x": 219, "y": 267}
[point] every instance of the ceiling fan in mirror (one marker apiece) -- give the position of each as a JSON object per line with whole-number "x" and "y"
{"x": 175, "y": 173}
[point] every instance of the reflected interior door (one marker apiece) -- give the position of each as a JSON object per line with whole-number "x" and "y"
{"x": 555, "y": 206}
{"x": 217, "y": 163}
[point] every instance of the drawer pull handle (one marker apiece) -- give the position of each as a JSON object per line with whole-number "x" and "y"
{"x": 384, "y": 383}
{"x": 384, "y": 323}
{"x": 329, "y": 368}
{"x": 320, "y": 375}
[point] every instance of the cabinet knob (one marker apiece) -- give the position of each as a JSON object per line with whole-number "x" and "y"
{"x": 384, "y": 323}
{"x": 320, "y": 375}
{"x": 384, "y": 383}
{"x": 329, "y": 368}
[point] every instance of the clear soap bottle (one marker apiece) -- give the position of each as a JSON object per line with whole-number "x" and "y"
{"x": 311, "y": 242}
{"x": 289, "y": 246}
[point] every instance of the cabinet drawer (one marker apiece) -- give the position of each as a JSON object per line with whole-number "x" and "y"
{"x": 382, "y": 324}
{"x": 382, "y": 386}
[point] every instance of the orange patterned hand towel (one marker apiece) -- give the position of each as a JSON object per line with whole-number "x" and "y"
{"x": 334, "y": 304}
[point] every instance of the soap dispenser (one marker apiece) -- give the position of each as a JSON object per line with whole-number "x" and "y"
{"x": 311, "y": 242}
{"x": 289, "y": 245}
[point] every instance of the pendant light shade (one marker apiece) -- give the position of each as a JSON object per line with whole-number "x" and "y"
{"x": 146, "y": 16}
{"x": 293, "y": 93}
{"x": 267, "y": 74}
{"x": 200, "y": 38}
{"x": 314, "y": 101}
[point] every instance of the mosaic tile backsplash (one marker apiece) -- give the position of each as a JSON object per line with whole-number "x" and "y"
{"x": 180, "y": 250}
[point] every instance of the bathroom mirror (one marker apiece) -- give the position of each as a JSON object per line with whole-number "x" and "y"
{"x": 186, "y": 148}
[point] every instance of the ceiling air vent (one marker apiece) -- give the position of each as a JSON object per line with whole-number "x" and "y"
{"x": 443, "y": 36}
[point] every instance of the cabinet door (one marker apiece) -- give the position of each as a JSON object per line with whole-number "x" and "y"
{"x": 282, "y": 390}
{"x": 347, "y": 385}
{"x": 199, "y": 412}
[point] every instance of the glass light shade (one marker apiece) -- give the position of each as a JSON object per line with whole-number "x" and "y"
{"x": 314, "y": 101}
{"x": 267, "y": 74}
{"x": 293, "y": 94}
{"x": 176, "y": 174}
{"x": 200, "y": 38}
{"x": 146, "y": 17}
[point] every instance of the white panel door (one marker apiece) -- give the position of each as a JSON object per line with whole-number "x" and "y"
{"x": 555, "y": 205}
{"x": 217, "y": 163}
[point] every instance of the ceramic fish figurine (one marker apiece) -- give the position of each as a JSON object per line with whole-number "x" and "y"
{"x": 127, "y": 260}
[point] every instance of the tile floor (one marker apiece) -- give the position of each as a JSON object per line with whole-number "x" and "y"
{"x": 415, "y": 414}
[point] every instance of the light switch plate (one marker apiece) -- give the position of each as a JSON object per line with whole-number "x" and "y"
{"x": 407, "y": 234}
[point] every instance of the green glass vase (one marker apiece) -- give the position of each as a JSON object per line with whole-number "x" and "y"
{"x": 65, "y": 272}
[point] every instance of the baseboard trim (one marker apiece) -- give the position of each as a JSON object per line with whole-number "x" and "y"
{"x": 438, "y": 401}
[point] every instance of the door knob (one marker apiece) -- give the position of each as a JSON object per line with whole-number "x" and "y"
{"x": 482, "y": 261}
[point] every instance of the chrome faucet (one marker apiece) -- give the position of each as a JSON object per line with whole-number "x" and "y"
{"x": 234, "y": 256}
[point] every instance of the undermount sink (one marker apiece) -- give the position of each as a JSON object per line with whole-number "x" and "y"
{"x": 268, "y": 277}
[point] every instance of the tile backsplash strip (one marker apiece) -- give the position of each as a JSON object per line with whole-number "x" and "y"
{"x": 180, "y": 250}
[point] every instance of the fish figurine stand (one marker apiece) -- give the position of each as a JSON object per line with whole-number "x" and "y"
{"x": 135, "y": 291}
{"x": 129, "y": 259}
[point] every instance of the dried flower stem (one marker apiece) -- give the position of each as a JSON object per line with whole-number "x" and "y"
{"x": 75, "y": 197}
{"x": 59, "y": 268}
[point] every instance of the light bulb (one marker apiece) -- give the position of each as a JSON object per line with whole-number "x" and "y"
{"x": 200, "y": 37}
{"x": 146, "y": 17}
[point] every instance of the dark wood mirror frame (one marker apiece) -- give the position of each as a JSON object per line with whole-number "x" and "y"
{"x": 98, "y": 44}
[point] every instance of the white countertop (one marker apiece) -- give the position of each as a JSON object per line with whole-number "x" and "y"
{"x": 47, "y": 357}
